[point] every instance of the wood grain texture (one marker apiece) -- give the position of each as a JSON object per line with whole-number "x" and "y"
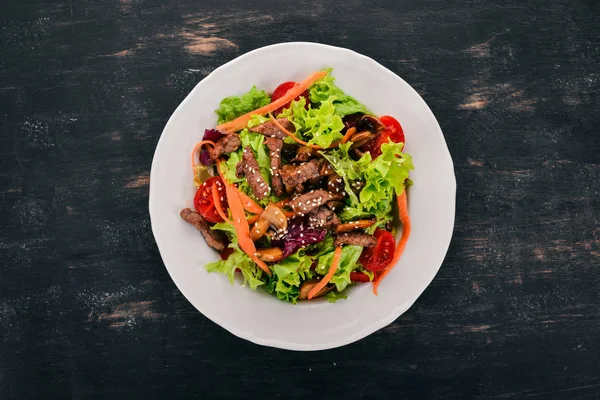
{"x": 87, "y": 309}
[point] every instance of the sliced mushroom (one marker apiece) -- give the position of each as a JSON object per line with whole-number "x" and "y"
{"x": 271, "y": 254}
{"x": 272, "y": 216}
{"x": 355, "y": 225}
{"x": 357, "y": 137}
{"x": 304, "y": 154}
{"x": 370, "y": 123}
{"x": 305, "y": 287}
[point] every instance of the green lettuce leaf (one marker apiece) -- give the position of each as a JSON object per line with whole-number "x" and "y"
{"x": 289, "y": 273}
{"x": 234, "y": 106}
{"x": 325, "y": 89}
{"x": 320, "y": 126}
{"x": 334, "y": 296}
{"x": 381, "y": 177}
{"x": 348, "y": 263}
{"x": 251, "y": 273}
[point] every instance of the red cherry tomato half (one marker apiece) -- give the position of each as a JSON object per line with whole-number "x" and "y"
{"x": 282, "y": 89}
{"x": 394, "y": 127}
{"x": 203, "y": 200}
{"x": 379, "y": 257}
{"x": 393, "y": 131}
{"x": 359, "y": 277}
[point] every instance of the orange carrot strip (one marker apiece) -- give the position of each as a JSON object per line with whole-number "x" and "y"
{"x": 406, "y": 228}
{"x": 252, "y": 219}
{"x": 284, "y": 202}
{"x": 346, "y": 137}
{"x": 290, "y": 134}
{"x": 242, "y": 121}
{"x": 249, "y": 204}
{"x": 335, "y": 262}
{"x": 241, "y": 226}
{"x": 217, "y": 200}
{"x": 197, "y": 147}
{"x": 288, "y": 214}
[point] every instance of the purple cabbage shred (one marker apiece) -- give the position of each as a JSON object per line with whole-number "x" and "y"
{"x": 299, "y": 236}
{"x": 212, "y": 135}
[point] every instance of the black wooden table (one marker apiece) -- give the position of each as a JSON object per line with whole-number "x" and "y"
{"x": 87, "y": 309}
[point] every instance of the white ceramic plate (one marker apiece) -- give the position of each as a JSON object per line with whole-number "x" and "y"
{"x": 256, "y": 315}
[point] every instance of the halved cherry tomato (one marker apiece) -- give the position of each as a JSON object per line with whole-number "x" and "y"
{"x": 359, "y": 277}
{"x": 282, "y": 89}
{"x": 379, "y": 257}
{"x": 393, "y": 131}
{"x": 392, "y": 125}
{"x": 203, "y": 200}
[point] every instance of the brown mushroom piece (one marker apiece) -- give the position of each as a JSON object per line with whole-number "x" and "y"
{"x": 271, "y": 217}
{"x": 369, "y": 123}
{"x": 271, "y": 254}
{"x": 360, "y": 138}
{"x": 306, "y": 286}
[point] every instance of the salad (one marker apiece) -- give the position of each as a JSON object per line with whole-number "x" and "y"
{"x": 296, "y": 190}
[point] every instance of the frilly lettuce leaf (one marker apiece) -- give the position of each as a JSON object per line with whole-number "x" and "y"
{"x": 381, "y": 177}
{"x": 325, "y": 90}
{"x": 234, "y": 106}
{"x": 348, "y": 263}
{"x": 320, "y": 126}
{"x": 251, "y": 273}
{"x": 288, "y": 274}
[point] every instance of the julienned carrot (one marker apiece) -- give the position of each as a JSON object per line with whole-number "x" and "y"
{"x": 406, "y": 228}
{"x": 335, "y": 262}
{"x": 290, "y": 134}
{"x": 284, "y": 202}
{"x": 288, "y": 214}
{"x": 242, "y": 122}
{"x": 346, "y": 137}
{"x": 242, "y": 229}
{"x": 249, "y": 204}
{"x": 197, "y": 147}
{"x": 217, "y": 200}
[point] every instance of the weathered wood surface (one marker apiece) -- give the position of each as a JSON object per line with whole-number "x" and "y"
{"x": 87, "y": 309}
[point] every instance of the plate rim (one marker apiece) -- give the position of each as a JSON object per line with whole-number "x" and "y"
{"x": 373, "y": 326}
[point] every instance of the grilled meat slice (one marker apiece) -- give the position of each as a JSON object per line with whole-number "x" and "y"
{"x": 214, "y": 239}
{"x": 269, "y": 129}
{"x": 275, "y": 145}
{"x": 356, "y": 238}
{"x": 293, "y": 175}
{"x": 323, "y": 217}
{"x": 307, "y": 202}
{"x": 225, "y": 145}
{"x": 249, "y": 167}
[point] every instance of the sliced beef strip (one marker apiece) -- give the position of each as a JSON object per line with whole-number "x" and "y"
{"x": 335, "y": 184}
{"x": 249, "y": 167}
{"x": 323, "y": 217}
{"x": 269, "y": 129}
{"x": 307, "y": 202}
{"x": 275, "y": 145}
{"x": 293, "y": 175}
{"x": 356, "y": 238}
{"x": 225, "y": 145}
{"x": 214, "y": 239}
{"x": 335, "y": 205}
